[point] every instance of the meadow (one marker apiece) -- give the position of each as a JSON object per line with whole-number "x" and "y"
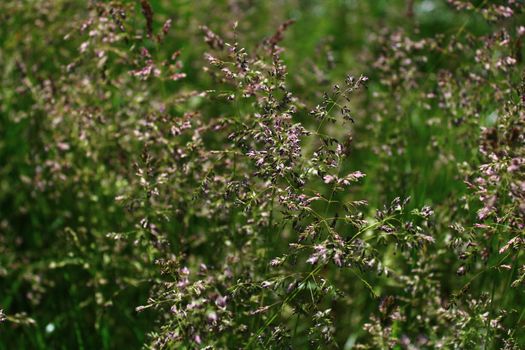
{"x": 250, "y": 174}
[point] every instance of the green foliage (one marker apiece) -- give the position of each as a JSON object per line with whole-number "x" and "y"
{"x": 262, "y": 174}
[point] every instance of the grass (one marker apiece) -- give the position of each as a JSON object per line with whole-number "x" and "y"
{"x": 218, "y": 201}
